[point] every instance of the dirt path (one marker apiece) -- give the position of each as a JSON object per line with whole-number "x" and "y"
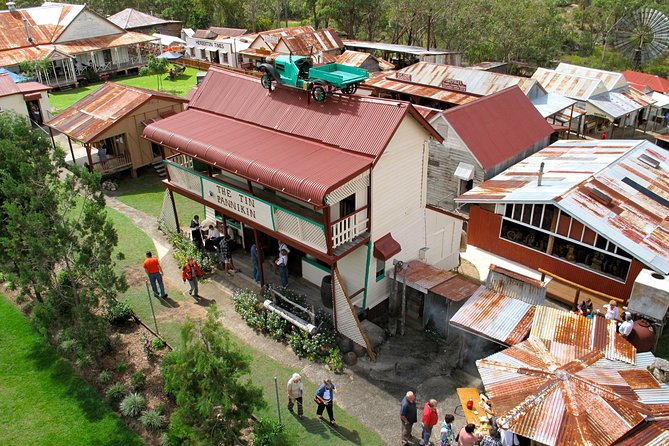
{"x": 370, "y": 397}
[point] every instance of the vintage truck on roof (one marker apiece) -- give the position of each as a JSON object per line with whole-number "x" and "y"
{"x": 298, "y": 72}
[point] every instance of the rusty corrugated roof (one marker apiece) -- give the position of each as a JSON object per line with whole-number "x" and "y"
{"x": 306, "y": 43}
{"x": 131, "y": 18}
{"x": 342, "y": 121}
{"x": 46, "y": 24}
{"x": 556, "y": 400}
{"x": 611, "y": 79}
{"x": 569, "y": 334}
{"x": 652, "y": 433}
{"x": 570, "y": 85}
{"x": 495, "y": 316}
{"x": 384, "y": 81}
{"x": 635, "y": 174}
{"x": 357, "y": 58}
{"x": 102, "y": 109}
{"x": 103, "y": 42}
{"x": 304, "y": 169}
{"x": 8, "y": 87}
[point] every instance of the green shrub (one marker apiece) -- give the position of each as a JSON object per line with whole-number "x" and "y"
{"x": 184, "y": 248}
{"x": 83, "y": 361}
{"x": 104, "y": 377}
{"x": 118, "y": 312}
{"x": 152, "y": 420}
{"x": 115, "y": 393}
{"x": 132, "y": 405}
{"x": 165, "y": 439}
{"x": 334, "y": 360}
{"x": 158, "y": 343}
{"x": 121, "y": 367}
{"x": 276, "y": 326}
{"x": 137, "y": 380}
{"x": 247, "y": 305}
{"x": 269, "y": 432}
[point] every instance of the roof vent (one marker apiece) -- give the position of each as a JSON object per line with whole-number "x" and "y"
{"x": 11, "y": 6}
{"x": 27, "y": 27}
{"x": 600, "y": 196}
{"x": 652, "y": 162}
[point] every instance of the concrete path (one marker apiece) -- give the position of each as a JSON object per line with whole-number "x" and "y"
{"x": 369, "y": 391}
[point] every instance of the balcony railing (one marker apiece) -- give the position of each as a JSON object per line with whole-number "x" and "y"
{"x": 349, "y": 227}
{"x": 114, "y": 163}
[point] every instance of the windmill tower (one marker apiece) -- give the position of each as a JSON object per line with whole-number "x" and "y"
{"x": 642, "y": 35}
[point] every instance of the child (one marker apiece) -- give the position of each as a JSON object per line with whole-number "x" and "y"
{"x": 447, "y": 435}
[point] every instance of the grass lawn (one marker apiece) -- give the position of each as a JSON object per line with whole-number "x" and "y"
{"x": 42, "y": 400}
{"x": 60, "y": 100}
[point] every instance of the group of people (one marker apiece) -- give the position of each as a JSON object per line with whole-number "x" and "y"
{"x": 447, "y": 437}
{"x": 215, "y": 242}
{"x": 324, "y": 398}
{"x": 612, "y": 312}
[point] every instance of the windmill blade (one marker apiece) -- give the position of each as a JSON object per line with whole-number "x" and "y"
{"x": 642, "y": 35}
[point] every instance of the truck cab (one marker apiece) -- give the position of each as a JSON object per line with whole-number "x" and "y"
{"x": 293, "y": 70}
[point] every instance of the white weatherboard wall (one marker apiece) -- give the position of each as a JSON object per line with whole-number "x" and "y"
{"x": 87, "y": 25}
{"x": 14, "y": 102}
{"x": 443, "y": 239}
{"x": 352, "y": 272}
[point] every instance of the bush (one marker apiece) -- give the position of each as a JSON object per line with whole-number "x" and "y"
{"x": 276, "y": 326}
{"x": 165, "y": 439}
{"x": 137, "y": 380}
{"x": 132, "y": 405}
{"x": 104, "y": 377}
{"x": 152, "y": 420}
{"x": 269, "y": 432}
{"x": 115, "y": 393}
{"x": 121, "y": 367}
{"x": 118, "y": 313}
{"x": 184, "y": 248}
{"x": 158, "y": 343}
{"x": 247, "y": 305}
{"x": 334, "y": 361}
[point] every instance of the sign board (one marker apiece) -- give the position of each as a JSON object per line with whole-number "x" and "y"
{"x": 208, "y": 43}
{"x": 403, "y": 76}
{"x": 271, "y": 39}
{"x": 453, "y": 84}
{"x": 238, "y": 203}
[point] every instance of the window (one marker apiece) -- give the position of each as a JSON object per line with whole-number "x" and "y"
{"x": 347, "y": 206}
{"x": 380, "y": 269}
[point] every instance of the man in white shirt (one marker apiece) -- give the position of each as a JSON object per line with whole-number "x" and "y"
{"x": 508, "y": 438}
{"x": 626, "y": 327}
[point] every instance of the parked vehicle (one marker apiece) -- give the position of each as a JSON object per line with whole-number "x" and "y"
{"x": 297, "y": 72}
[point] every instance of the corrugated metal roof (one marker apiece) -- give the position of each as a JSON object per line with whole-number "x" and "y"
{"x": 558, "y": 400}
{"x": 499, "y": 127}
{"x": 620, "y": 102}
{"x": 227, "y": 32}
{"x": 515, "y": 285}
{"x": 611, "y": 79}
{"x": 304, "y": 169}
{"x": 652, "y": 433}
{"x": 636, "y": 218}
{"x": 342, "y": 121}
{"x": 8, "y": 87}
{"x": 100, "y": 110}
{"x": 18, "y": 55}
{"x": 392, "y": 47}
{"x": 644, "y": 81}
{"x": 551, "y": 103}
{"x": 46, "y": 24}
{"x": 356, "y": 59}
{"x": 570, "y": 335}
{"x": 493, "y": 315}
{"x": 569, "y": 85}
{"x": 424, "y": 277}
{"x": 131, "y": 18}
{"x": 661, "y": 100}
{"x": 306, "y": 43}
{"x": 102, "y": 42}
{"x": 384, "y": 81}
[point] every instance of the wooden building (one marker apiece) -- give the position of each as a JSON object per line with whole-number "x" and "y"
{"x": 592, "y": 212}
{"x": 112, "y": 119}
{"x": 137, "y": 21}
{"x": 29, "y": 99}
{"x": 343, "y": 182}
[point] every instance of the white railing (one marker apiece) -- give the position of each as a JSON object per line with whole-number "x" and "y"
{"x": 186, "y": 180}
{"x": 348, "y": 228}
{"x": 182, "y": 160}
{"x": 300, "y": 229}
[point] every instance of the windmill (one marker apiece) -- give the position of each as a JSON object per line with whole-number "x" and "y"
{"x": 642, "y": 35}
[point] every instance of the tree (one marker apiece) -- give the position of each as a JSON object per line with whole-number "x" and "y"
{"x": 155, "y": 66}
{"x": 205, "y": 375}
{"x": 56, "y": 241}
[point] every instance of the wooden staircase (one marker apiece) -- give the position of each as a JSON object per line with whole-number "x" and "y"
{"x": 159, "y": 167}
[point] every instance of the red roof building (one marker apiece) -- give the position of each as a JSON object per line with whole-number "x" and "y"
{"x": 29, "y": 99}
{"x": 646, "y": 82}
{"x": 332, "y": 180}
{"x": 481, "y": 139}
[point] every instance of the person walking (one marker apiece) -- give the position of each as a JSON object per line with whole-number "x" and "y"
{"x": 155, "y": 273}
{"x": 429, "y": 419}
{"x": 325, "y": 398}
{"x": 447, "y": 435}
{"x": 191, "y": 272}
{"x": 492, "y": 439}
{"x": 254, "y": 260}
{"x": 226, "y": 254}
{"x": 282, "y": 265}
{"x": 195, "y": 232}
{"x": 295, "y": 389}
{"x": 408, "y": 415}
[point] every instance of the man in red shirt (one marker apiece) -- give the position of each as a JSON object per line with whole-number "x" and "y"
{"x": 155, "y": 273}
{"x": 430, "y": 418}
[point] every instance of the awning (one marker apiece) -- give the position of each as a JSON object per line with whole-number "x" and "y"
{"x": 464, "y": 171}
{"x": 386, "y": 247}
{"x": 32, "y": 96}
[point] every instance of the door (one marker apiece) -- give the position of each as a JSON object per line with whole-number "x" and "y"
{"x": 35, "y": 112}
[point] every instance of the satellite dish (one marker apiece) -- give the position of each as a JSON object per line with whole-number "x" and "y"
{"x": 642, "y": 35}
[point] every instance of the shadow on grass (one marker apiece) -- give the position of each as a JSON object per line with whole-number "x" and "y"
{"x": 323, "y": 428}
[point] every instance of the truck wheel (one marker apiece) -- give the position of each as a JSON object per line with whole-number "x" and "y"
{"x": 354, "y": 88}
{"x": 266, "y": 81}
{"x": 318, "y": 93}
{"x": 347, "y": 89}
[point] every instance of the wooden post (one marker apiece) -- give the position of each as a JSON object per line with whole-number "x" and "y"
{"x": 571, "y": 118}
{"x": 174, "y": 207}
{"x": 576, "y": 298}
{"x": 90, "y": 157}
{"x": 53, "y": 141}
{"x": 69, "y": 142}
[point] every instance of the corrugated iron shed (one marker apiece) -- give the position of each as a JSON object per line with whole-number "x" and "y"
{"x": 570, "y": 335}
{"x": 490, "y": 128}
{"x": 395, "y": 48}
{"x": 130, "y": 18}
{"x": 620, "y": 102}
{"x": 646, "y": 82}
{"x": 306, "y": 43}
{"x": 306, "y": 170}
{"x": 633, "y": 173}
{"x": 342, "y": 121}
{"x": 46, "y": 24}
{"x": 515, "y": 285}
{"x": 611, "y": 79}
{"x": 550, "y": 104}
{"x": 385, "y": 81}
{"x": 495, "y": 316}
{"x": 653, "y": 433}
{"x": 558, "y": 400}
{"x": 102, "y": 109}
{"x": 357, "y": 59}
{"x": 569, "y": 85}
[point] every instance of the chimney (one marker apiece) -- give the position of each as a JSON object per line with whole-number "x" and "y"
{"x": 541, "y": 174}
{"x": 11, "y": 6}
{"x": 27, "y": 27}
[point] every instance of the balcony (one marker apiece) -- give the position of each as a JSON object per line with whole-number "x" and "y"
{"x": 266, "y": 209}
{"x": 114, "y": 163}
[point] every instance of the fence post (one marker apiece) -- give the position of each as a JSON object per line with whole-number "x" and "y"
{"x": 148, "y": 293}
{"x": 278, "y": 405}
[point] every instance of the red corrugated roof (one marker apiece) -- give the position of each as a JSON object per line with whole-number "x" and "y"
{"x": 360, "y": 124}
{"x": 9, "y": 87}
{"x": 643, "y": 80}
{"x": 304, "y": 169}
{"x": 498, "y": 127}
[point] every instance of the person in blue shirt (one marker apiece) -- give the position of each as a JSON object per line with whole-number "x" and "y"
{"x": 325, "y": 398}
{"x": 408, "y": 415}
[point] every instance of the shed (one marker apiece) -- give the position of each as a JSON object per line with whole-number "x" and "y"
{"x": 29, "y": 99}
{"x": 133, "y": 20}
{"x": 113, "y": 118}
{"x": 364, "y": 60}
